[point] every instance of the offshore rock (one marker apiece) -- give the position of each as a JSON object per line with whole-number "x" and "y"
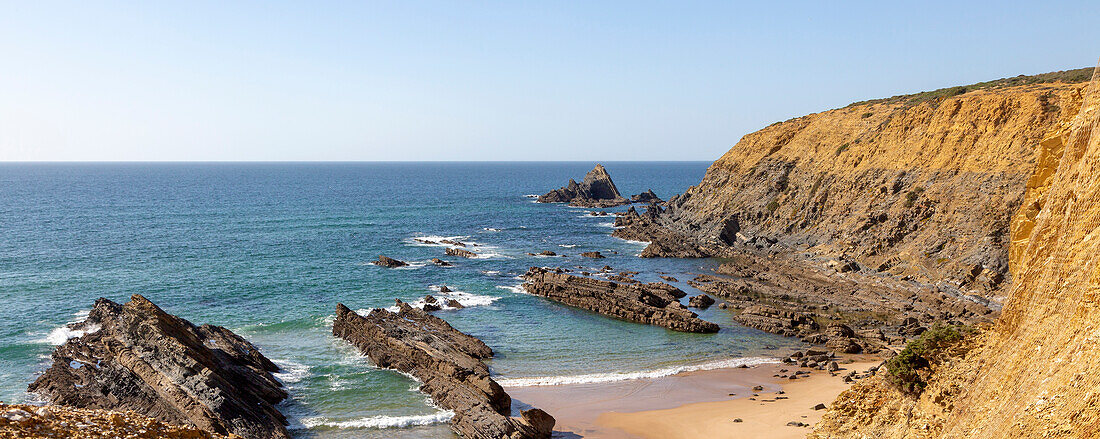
{"x": 653, "y": 303}
{"x": 596, "y": 190}
{"x": 145, "y": 360}
{"x": 701, "y": 301}
{"x": 448, "y": 364}
{"x": 388, "y": 262}
{"x": 460, "y": 253}
{"x": 647, "y": 197}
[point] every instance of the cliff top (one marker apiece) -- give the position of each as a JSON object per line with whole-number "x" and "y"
{"x": 1073, "y": 76}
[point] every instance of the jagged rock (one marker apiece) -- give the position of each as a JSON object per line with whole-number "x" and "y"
{"x": 777, "y": 321}
{"x": 145, "y": 360}
{"x": 596, "y": 190}
{"x": 654, "y": 303}
{"x": 440, "y": 262}
{"x": 448, "y": 363}
{"x": 547, "y": 253}
{"x": 451, "y": 251}
{"x": 431, "y": 299}
{"x": 385, "y": 261}
{"x": 452, "y": 303}
{"x": 445, "y": 289}
{"x": 645, "y": 197}
{"x": 593, "y": 255}
{"x": 669, "y": 279}
{"x": 701, "y": 301}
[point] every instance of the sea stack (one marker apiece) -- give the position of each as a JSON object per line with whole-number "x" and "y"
{"x": 596, "y": 191}
{"x": 448, "y": 363}
{"x": 136, "y": 357}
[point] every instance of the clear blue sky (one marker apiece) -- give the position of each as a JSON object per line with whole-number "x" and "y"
{"x": 459, "y": 80}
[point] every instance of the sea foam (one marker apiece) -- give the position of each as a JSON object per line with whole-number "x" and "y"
{"x": 379, "y": 422}
{"x": 626, "y": 376}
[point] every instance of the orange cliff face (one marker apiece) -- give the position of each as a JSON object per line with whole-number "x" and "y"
{"x": 1035, "y": 374}
{"x": 920, "y": 189}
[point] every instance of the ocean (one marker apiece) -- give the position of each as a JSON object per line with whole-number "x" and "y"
{"x": 269, "y": 249}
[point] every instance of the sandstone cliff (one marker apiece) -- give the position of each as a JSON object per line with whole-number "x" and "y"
{"x": 923, "y": 187}
{"x": 1034, "y": 374}
{"x": 30, "y": 422}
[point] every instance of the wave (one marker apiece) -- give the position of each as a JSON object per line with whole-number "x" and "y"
{"x": 626, "y": 376}
{"x": 467, "y": 300}
{"x": 518, "y": 289}
{"x": 58, "y": 336}
{"x": 290, "y": 372}
{"x": 491, "y": 229}
{"x": 379, "y": 422}
{"x": 607, "y": 224}
{"x": 567, "y": 245}
{"x": 413, "y": 240}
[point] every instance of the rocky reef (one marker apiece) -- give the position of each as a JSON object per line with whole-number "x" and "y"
{"x": 653, "y": 303}
{"x": 1033, "y": 373}
{"x": 136, "y": 357}
{"x": 388, "y": 262}
{"x": 448, "y": 364}
{"x": 596, "y": 191}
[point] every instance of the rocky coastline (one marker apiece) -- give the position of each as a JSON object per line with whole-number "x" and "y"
{"x": 448, "y": 364}
{"x": 595, "y": 191}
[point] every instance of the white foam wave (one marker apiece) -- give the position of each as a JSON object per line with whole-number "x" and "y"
{"x": 412, "y": 266}
{"x": 467, "y": 300}
{"x": 607, "y": 224}
{"x": 567, "y": 245}
{"x": 61, "y": 335}
{"x": 532, "y": 195}
{"x": 290, "y": 372}
{"x": 626, "y": 376}
{"x": 518, "y": 289}
{"x": 490, "y": 229}
{"x": 435, "y": 240}
{"x": 380, "y": 422}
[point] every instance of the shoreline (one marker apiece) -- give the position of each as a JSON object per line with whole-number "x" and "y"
{"x": 693, "y": 404}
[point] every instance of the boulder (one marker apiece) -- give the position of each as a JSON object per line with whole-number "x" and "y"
{"x": 448, "y": 363}
{"x": 136, "y": 357}
{"x": 451, "y": 303}
{"x": 462, "y": 253}
{"x": 593, "y": 255}
{"x": 652, "y": 303}
{"x": 701, "y": 301}
{"x": 388, "y": 262}
{"x": 645, "y": 197}
{"x": 596, "y": 190}
{"x": 440, "y": 262}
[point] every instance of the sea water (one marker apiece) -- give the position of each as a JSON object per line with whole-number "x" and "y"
{"x": 268, "y": 249}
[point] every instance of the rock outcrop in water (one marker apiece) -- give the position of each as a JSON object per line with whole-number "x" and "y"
{"x": 654, "y": 303}
{"x": 596, "y": 190}
{"x": 462, "y": 253}
{"x": 448, "y": 364}
{"x": 136, "y": 357}
{"x": 1034, "y": 374}
{"x": 388, "y": 262}
{"x": 647, "y": 197}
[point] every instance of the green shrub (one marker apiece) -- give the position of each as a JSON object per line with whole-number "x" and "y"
{"x": 842, "y": 148}
{"x": 911, "y": 197}
{"x": 910, "y": 369}
{"x": 772, "y": 206}
{"x": 867, "y": 114}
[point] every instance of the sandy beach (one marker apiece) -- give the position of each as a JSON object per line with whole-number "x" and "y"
{"x": 692, "y": 405}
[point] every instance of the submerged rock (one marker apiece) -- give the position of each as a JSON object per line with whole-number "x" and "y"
{"x": 440, "y": 262}
{"x": 593, "y": 255}
{"x": 653, "y": 303}
{"x": 136, "y": 357}
{"x": 596, "y": 190}
{"x": 448, "y": 363}
{"x": 385, "y": 261}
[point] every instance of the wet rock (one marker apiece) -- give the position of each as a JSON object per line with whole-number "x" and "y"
{"x": 653, "y": 303}
{"x": 646, "y": 197}
{"x": 547, "y": 253}
{"x": 388, "y": 262}
{"x": 593, "y": 255}
{"x": 444, "y": 289}
{"x": 448, "y": 363}
{"x": 701, "y": 301}
{"x": 145, "y": 360}
{"x": 451, "y": 303}
{"x": 669, "y": 279}
{"x": 462, "y": 253}
{"x": 440, "y": 262}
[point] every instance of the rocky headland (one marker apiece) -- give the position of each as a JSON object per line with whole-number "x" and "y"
{"x": 448, "y": 364}
{"x": 595, "y": 191}
{"x": 653, "y": 303}
{"x": 136, "y": 357}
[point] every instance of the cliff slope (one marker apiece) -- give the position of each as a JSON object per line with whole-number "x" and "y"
{"x": 1034, "y": 374}
{"x": 922, "y": 186}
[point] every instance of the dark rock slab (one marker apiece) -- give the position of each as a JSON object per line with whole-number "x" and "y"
{"x": 596, "y": 190}
{"x": 145, "y": 360}
{"x": 448, "y": 364}
{"x": 460, "y": 253}
{"x": 653, "y": 303}
{"x": 388, "y": 262}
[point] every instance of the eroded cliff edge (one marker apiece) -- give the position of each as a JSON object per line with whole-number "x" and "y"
{"x": 1034, "y": 373}
{"x": 918, "y": 187}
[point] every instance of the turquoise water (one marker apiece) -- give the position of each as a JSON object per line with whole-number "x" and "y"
{"x": 267, "y": 250}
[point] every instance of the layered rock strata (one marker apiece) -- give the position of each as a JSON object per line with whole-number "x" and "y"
{"x": 596, "y": 191}
{"x": 136, "y": 357}
{"x": 31, "y": 422}
{"x": 653, "y": 303}
{"x": 448, "y": 364}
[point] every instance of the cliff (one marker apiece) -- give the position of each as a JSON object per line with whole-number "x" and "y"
{"x": 922, "y": 187}
{"x": 1034, "y": 373}
{"x": 30, "y": 422}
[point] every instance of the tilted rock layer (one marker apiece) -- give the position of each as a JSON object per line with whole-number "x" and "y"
{"x": 596, "y": 190}
{"x": 926, "y": 190}
{"x": 653, "y": 303}
{"x": 136, "y": 357}
{"x": 1035, "y": 373}
{"x": 30, "y": 422}
{"x": 448, "y": 363}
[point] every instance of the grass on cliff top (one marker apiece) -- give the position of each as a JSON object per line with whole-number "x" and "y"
{"x": 1067, "y": 76}
{"x": 910, "y": 369}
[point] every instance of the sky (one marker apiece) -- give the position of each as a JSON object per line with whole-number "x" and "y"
{"x": 472, "y": 80}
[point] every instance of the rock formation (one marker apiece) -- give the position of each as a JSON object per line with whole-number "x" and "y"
{"x": 593, "y": 255}
{"x": 448, "y": 364}
{"x": 145, "y": 360}
{"x": 596, "y": 190}
{"x": 701, "y": 301}
{"x": 460, "y": 253}
{"x": 440, "y": 262}
{"x": 647, "y": 197}
{"x": 25, "y": 421}
{"x": 652, "y": 303}
{"x": 388, "y": 262}
{"x": 1033, "y": 374}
